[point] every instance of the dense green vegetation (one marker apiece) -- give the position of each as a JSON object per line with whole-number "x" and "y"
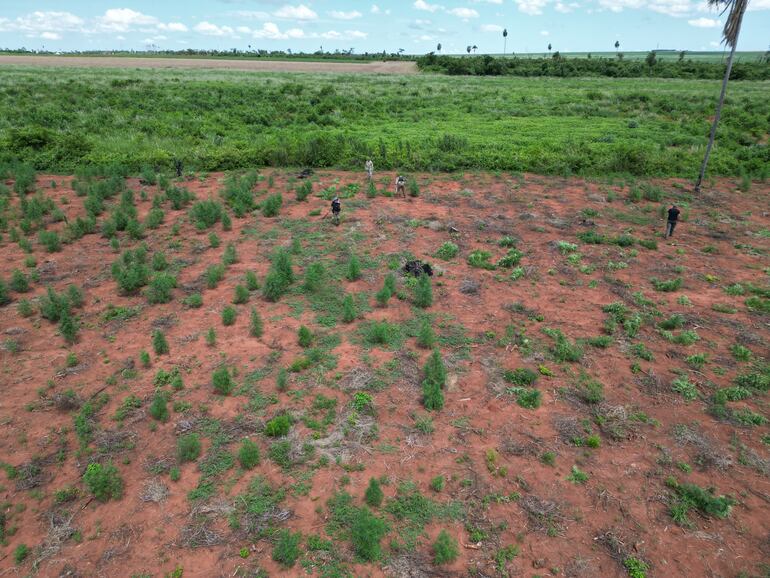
{"x": 133, "y": 119}
{"x": 615, "y": 67}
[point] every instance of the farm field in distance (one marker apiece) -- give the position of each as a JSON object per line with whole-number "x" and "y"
{"x": 62, "y": 119}
{"x": 203, "y": 376}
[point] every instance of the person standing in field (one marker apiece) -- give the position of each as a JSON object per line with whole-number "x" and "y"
{"x": 673, "y": 217}
{"x": 336, "y": 208}
{"x": 401, "y": 186}
{"x": 369, "y": 168}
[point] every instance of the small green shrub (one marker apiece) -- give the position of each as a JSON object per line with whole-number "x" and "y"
{"x": 304, "y": 337}
{"x": 447, "y": 251}
{"x": 480, "y": 259}
{"x": 304, "y": 190}
{"x": 159, "y": 290}
{"x": 19, "y": 282}
{"x": 103, "y": 481}
{"x": 577, "y": 476}
{"x": 349, "y": 312}
{"x": 366, "y": 532}
{"x": 228, "y": 316}
{"x": 248, "y": 454}
{"x": 279, "y": 426}
{"x": 50, "y": 240}
{"x": 159, "y": 407}
{"x": 271, "y": 206}
{"x": 214, "y": 240}
{"x": 353, "y": 272}
{"x": 20, "y": 553}
{"x": 188, "y": 447}
{"x": 511, "y": 259}
{"x": 445, "y": 549}
{"x": 214, "y": 274}
{"x": 251, "y": 281}
{"x": 433, "y": 382}
{"x": 159, "y": 343}
{"x": 193, "y": 301}
{"x": 211, "y": 337}
{"x": 256, "y": 327}
{"x": 437, "y": 483}
{"x": 230, "y": 256}
{"x": 426, "y": 337}
{"x": 423, "y": 293}
{"x": 676, "y": 321}
{"x": 635, "y": 567}
{"x": 374, "y": 495}
{"x": 223, "y": 382}
{"x": 522, "y": 377}
{"x": 666, "y": 286}
{"x": 687, "y": 390}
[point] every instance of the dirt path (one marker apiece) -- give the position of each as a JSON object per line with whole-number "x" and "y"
{"x": 251, "y": 65}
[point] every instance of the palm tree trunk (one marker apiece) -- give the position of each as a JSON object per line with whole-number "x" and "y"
{"x": 714, "y": 124}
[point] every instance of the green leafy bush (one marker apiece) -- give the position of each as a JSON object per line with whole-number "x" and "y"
{"x": 50, "y": 240}
{"x": 374, "y": 495}
{"x": 423, "y": 293}
{"x": 447, "y": 251}
{"x": 353, "y": 272}
{"x": 511, "y": 259}
{"x": 230, "y": 256}
{"x": 271, "y": 206}
{"x": 522, "y": 377}
{"x": 314, "y": 277}
{"x": 19, "y": 282}
{"x": 433, "y": 382}
{"x": 304, "y": 337}
{"x": 445, "y": 550}
{"x": 160, "y": 288}
{"x": 205, "y": 214}
{"x": 248, "y": 454}
{"x": 193, "y": 301}
{"x": 256, "y": 327}
{"x": 103, "y": 481}
{"x": 159, "y": 343}
{"x": 241, "y": 295}
{"x": 222, "y": 381}
{"x": 666, "y": 286}
{"x": 349, "y": 312}
{"x": 426, "y": 337}
{"x": 279, "y": 426}
{"x": 286, "y": 548}
{"x": 252, "y": 284}
{"x": 188, "y": 447}
{"x": 480, "y": 259}
{"x": 366, "y": 532}
{"x": 214, "y": 274}
{"x": 228, "y": 315}
{"x": 159, "y": 407}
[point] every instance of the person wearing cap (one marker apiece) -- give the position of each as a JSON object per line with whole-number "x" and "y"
{"x": 336, "y": 208}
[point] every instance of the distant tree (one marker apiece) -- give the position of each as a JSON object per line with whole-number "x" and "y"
{"x": 681, "y": 55}
{"x": 650, "y": 59}
{"x": 617, "y": 45}
{"x": 400, "y": 51}
{"x": 505, "y": 40}
{"x": 468, "y": 49}
{"x": 730, "y": 33}
{"x": 549, "y": 47}
{"x": 438, "y": 47}
{"x": 475, "y": 48}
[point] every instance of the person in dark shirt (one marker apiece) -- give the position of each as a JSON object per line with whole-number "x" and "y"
{"x": 336, "y": 208}
{"x": 673, "y": 217}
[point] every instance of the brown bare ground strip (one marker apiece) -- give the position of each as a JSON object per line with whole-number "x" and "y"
{"x": 246, "y": 65}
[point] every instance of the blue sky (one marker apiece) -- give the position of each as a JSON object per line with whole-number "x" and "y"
{"x": 417, "y": 26}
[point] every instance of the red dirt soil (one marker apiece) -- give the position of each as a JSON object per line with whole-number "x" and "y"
{"x": 484, "y": 444}
{"x": 389, "y": 67}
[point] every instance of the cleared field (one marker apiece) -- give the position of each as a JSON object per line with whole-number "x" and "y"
{"x": 216, "y": 64}
{"x": 205, "y": 377}
{"x": 61, "y": 119}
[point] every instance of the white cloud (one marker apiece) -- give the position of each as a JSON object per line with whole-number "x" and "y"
{"x": 243, "y": 30}
{"x": 715, "y": 44}
{"x": 209, "y": 29}
{"x": 123, "y": 19}
{"x": 544, "y": 33}
{"x": 300, "y": 12}
{"x": 759, "y": 5}
{"x": 375, "y": 9}
{"x": 487, "y": 1}
{"x": 271, "y": 31}
{"x": 491, "y": 28}
{"x": 425, "y": 38}
{"x": 341, "y": 15}
{"x": 531, "y": 7}
{"x": 39, "y": 23}
{"x": 173, "y": 27}
{"x": 423, "y": 5}
{"x": 704, "y": 23}
{"x": 566, "y": 8}
{"x": 252, "y": 14}
{"x": 348, "y": 34}
{"x": 667, "y": 7}
{"x": 464, "y": 13}
{"x": 50, "y": 36}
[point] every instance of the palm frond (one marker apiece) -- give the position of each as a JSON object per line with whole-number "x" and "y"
{"x": 735, "y": 10}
